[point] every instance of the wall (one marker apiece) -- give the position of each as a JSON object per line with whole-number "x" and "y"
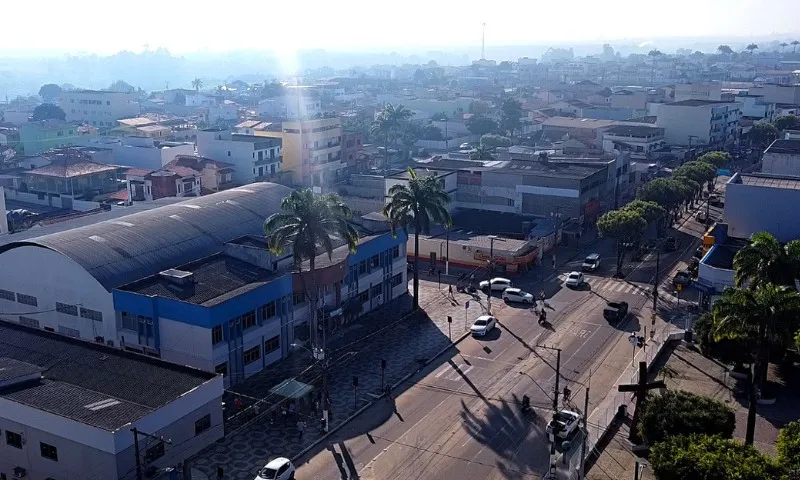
{"x": 698, "y": 91}
{"x": 133, "y": 152}
{"x": 109, "y": 106}
{"x": 241, "y": 154}
{"x": 746, "y": 215}
{"x": 680, "y": 122}
{"x": 780, "y": 163}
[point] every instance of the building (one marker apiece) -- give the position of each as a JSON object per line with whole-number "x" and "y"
{"x": 141, "y": 152}
{"x": 292, "y": 106}
{"x": 352, "y": 147}
{"x": 35, "y": 137}
{"x": 71, "y": 173}
{"x": 778, "y": 94}
{"x": 640, "y": 141}
{"x": 700, "y": 122}
{"x": 755, "y": 108}
{"x": 698, "y": 91}
{"x": 98, "y": 108}
{"x": 745, "y": 198}
{"x": 67, "y": 408}
{"x": 471, "y": 251}
{"x": 782, "y": 157}
{"x": 253, "y": 157}
{"x": 587, "y": 130}
{"x": 215, "y": 175}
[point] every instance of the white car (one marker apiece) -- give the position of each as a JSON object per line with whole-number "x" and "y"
{"x": 278, "y": 469}
{"x": 464, "y": 146}
{"x": 591, "y": 263}
{"x": 497, "y": 284}
{"x": 517, "y": 295}
{"x": 574, "y": 279}
{"x": 483, "y": 325}
{"x": 568, "y": 422}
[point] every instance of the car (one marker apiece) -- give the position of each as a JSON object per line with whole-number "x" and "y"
{"x": 483, "y": 325}
{"x": 568, "y": 423}
{"x": 615, "y": 311}
{"x": 497, "y": 284}
{"x": 670, "y": 244}
{"x": 279, "y": 469}
{"x": 682, "y": 278}
{"x": 517, "y": 295}
{"x": 574, "y": 279}
{"x": 700, "y": 252}
{"x": 464, "y": 146}
{"x": 716, "y": 201}
{"x": 591, "y": 262}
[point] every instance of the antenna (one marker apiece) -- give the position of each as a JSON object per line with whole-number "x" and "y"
{"x": 483, "y": 41}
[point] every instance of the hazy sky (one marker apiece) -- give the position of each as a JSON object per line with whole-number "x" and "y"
{"x": 284, "y": 26}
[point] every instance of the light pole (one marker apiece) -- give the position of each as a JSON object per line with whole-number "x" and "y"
{"x": 557, "y": 215}
{"x": 492, "y": 238}
{"x": 555, "y": 428}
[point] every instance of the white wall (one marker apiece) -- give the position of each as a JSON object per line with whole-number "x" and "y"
{"x": 780, "y": 163}
{"x": 185, "y": 344}
{"x": 679, "y": 122}
{"x": 3, "y": 218}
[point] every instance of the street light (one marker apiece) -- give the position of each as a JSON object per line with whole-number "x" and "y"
{"x": 318, "y": 353}
{"x": 492, "y": 238}
{"x": 557, "y": 216}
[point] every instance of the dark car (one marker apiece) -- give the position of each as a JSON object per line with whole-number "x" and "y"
{"x": 670, "y": 244}
{"x": 682, "y": 278}
{"x": 716, "y": 201}
{"x": 700, "y": 252}
{"x": 615, "y": 311}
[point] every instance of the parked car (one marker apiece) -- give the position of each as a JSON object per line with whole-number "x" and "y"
{"x": 568, "y": 422}
{"x": 670, "y": 244}
{"x": 699, "y": 252}
{"x": 517, "y": 295}
{"x": 279, "y": 469}
{"x": 716, "y": 201}
{"x": 682, "y": 278}
{"x": 615, "y": 311}
{"x": 483, "y": 325}
{"x": 574, "y": 279}
{"x": 464, "y": 146}
{"x": 497, "y": 284}
{"x": 591, "y": 262}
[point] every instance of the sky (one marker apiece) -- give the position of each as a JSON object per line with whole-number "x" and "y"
{"x": 94, "y": 26}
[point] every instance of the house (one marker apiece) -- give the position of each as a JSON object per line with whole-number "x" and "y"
{"x": 71, "y": 173}
{"x": 98, "y": 108}
{"x": 141, "y": 152}
{"x": 700, "y": 122}
{"x": 711, "y": 91}
{"x": 35, "y": 137}
{"x": 755, "y": 108}
{"x": 352, "y": 147}
{"x": 215, "y": 175}
{"x": 253, "y": 156}
{"x": 782, "y": 157}
{"x": 586, "y": 130}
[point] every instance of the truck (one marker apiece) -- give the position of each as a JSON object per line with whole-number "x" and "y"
{"x": 615, "y": 311}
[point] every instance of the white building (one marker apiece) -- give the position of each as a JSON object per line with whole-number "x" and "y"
{"x": 67, "y": 409}
{"x": 141, "y": 152}
{"x": 253, "y": 156}
{"x": 782, "y": 157}
{"x": 197, "y": 99}
{"x": 754, "y": 106}
{"x": 99, "y": 108}
{"x": 698, "y": 91}
{"x": 640, "y": 141}
{"x": 700, "y": 122}
{"x": 291, "y": 106}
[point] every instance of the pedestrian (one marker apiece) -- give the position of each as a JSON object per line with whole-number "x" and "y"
{"x": 238, "y": 403}
{"x": 301, "y": 425}
{"x": 450, "y": 290}
{"x": 316, "y": 405}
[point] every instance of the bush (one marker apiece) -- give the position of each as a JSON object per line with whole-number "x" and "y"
{"x": 493, "y": 141}
{"x": 683, "y": 413}
{"x": 710, "y": 458}
{"x": 788, "y": 446}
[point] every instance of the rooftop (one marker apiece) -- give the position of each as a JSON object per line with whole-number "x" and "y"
{"x": 471, "y": 239}
{"x": 784, "y": 146}
{"x": 569, "y": 122}
{"x": 635, "y": 130}
{"x": 89, "y": 383}
{"x": 69, "y": 164}
{"x": 767, "y": 180}
{"x": 697, "y": 103}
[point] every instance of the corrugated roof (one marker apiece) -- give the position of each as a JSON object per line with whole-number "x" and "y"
{"x": 128, "y": 248}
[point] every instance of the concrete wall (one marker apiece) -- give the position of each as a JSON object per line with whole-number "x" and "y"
{"x": 679, "y": 122}
{"x": 55, "y": 202}
{"x": 746, "y": 214}
{"x": 780, "y": 163}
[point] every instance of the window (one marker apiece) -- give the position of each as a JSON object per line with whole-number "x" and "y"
{"x": 216, "y": 335}
{"x": 29, "y": 322}
{"x": 27, "y": 299}
{"x": 272, "y": 344}
{"x": 67, "y": 308}
{"x": 374, "y": 262}
{"x": 249, "y": 319}
{"x": 155, "y": 452}
{"x": 70, "y": 332}
{"x": 7, "y": 295}
{"x": 268, "y": 310}
{"x": 397, "y": 279}
{"x": 396, "y": 251}
{"x": 129, "y": 322}
{"x": 363, "y": 297}
{"x": 203, "y": 424}
{"x": 377, "y": 290}
{"x": 13, "y": 439}
{"x": 49, "y": 451}
{"x": 298, "y": 298}
{"x": 362, "y": 267}
{"x": 222, "y": 368}
{"x": 229, "y": 153}
{"x": 91, "y": 314}
{"x": 252, "y": 355}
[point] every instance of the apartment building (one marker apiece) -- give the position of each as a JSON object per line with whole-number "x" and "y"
{"x": 98, "y": 108}
{"x": 640, "y": 141}
{"x": 254, "y": 157}
{"x": 698, "y": 91}
{"x": 700, "y": 122}
{"x": 35, "y": 137}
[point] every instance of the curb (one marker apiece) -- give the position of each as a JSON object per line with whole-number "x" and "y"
{"x": 372, "y": 402}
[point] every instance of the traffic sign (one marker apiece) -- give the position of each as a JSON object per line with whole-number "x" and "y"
{"x": 466, "y": 305}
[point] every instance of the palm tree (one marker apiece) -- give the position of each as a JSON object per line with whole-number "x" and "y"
{"x": 795, "y": 43}
{"x": 197, "y": 84}
{"x": 783, "y": 46}
{"x": 417, "y": 204}
{"x": 380, "y": 127}
{"x": 759, "y": 317}
{"x": 389, "y": 121}
{"x": 725, "y": 49}
{"x": 308, "y": 224}
{"x": 655, "y": 54}
{"x": 765, "y": 260}
{"x": 481, "y": 153}
{"x": 751, "y": 48}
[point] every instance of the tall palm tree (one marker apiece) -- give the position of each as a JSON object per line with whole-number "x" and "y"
{"x": 197, "y": 84}
{"x": 795, "y": 43}
{"x": 765, "y": 260}
{"x": 752, "y": 48}
{"x": 389, "y": 121}
{"x": 308, "y": 224}
{"x": 417, "y": 204}
{"x": 380, "y": 128}
{"x": 783, "y": 46}
{"x": 655, "y": 53}
{"x": 760, "y": 317}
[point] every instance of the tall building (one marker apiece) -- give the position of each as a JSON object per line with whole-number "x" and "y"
{"x": 99, "y": 108}
{"x": 700, "y": 122}
{"x": 254, "y": 158}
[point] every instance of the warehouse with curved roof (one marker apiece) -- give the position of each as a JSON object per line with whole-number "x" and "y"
{"x": 63, "y": 281}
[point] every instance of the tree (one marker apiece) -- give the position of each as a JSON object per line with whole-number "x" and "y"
{"x": 758, "y": 317}
{"x": 624, "y": 226}
{"x": 783, "y": 46}
{"x": 309, "y": 224}
{"x": 667, "y": 192}
{"x": 650, "y": 211}
{"x": 477, "y": 107}
{"x": 752, "y": 48}
{"x": 784, "y": 122}
{"x": 716, "y": 158}
{"x": 388, "y": 124}
{"x": 431, "y": 132}
{"x": 795, "y": 43}
{"x": 762, "y": 134}
{"x": 481, "y": 153}
{"x": 478, "y": 125}
{"x": 788, "y": 446}
{"x": 764, "y": 260}
{"x": 709, "y": 458}
{"x": 197, "y": 84}
{"x": 48, "y": 111}
{"x": 415, "y": 205}
{"x": 510, "y": 114}
{"x": 492, "y": 141}
{"x": 654, "y": 54}
{"x": 49, "y": 92}
{"x": 725, "y": 50}
{"x": 699, "y": 171}
{"x": 121, "y": 86}
{"x": 683, "y": 413}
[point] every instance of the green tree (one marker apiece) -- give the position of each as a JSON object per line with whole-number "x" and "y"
{"x": 48, "y": 111}
{"x": 510, "y": 115}
{"x": 481, "y": 125}
{"x": 49, "y": 92}
{"x": 716, "y": 158}
{"x": 388, "y": 124}
{"x": 764, "y": 260}
{"x": 309, "y": 224}
{"x": 752, "y": 48}
{"x": 650, "y": 211}
{"x": 431, "y": 132}
{"x": 788, "y": 447}
{"x": 492, "y": 141}
{"x": 197, "y": 84}
{"x": 624, "y": 226}
{"x": 700, "y": 172}
{"x": 784, "y": 122}
{"x": 481, "y": 153}
{"x": 710, "y": 458}
{"x": 683, "y": 413}
{"x": 725, "y": 50}
{"x": 414, "y": 206}
{"x": 762, "y": 134}
{"x": 759, "y": 317}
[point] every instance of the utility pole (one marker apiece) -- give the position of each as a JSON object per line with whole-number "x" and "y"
{"x": 655, "y": 279}
{"x": 447, "y": 250}
{"x": 585, "y": 429}
{"x": 136, "y": 432}
{"x": 553, "y": 462}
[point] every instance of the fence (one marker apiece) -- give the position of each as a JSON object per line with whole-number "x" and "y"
{"x": 600, "y": 420}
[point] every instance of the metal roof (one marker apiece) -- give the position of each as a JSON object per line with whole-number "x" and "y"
{"x": 129, "y": 248}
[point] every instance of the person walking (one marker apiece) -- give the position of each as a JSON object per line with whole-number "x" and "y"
{"x": 301, "y": 425}
{"x": 450, "y": 290}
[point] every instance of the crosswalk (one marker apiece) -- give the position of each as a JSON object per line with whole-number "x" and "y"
{"x": 611, "y": 285}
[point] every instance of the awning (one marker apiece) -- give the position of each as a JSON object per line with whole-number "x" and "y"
{"x": 291, "y": 388}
